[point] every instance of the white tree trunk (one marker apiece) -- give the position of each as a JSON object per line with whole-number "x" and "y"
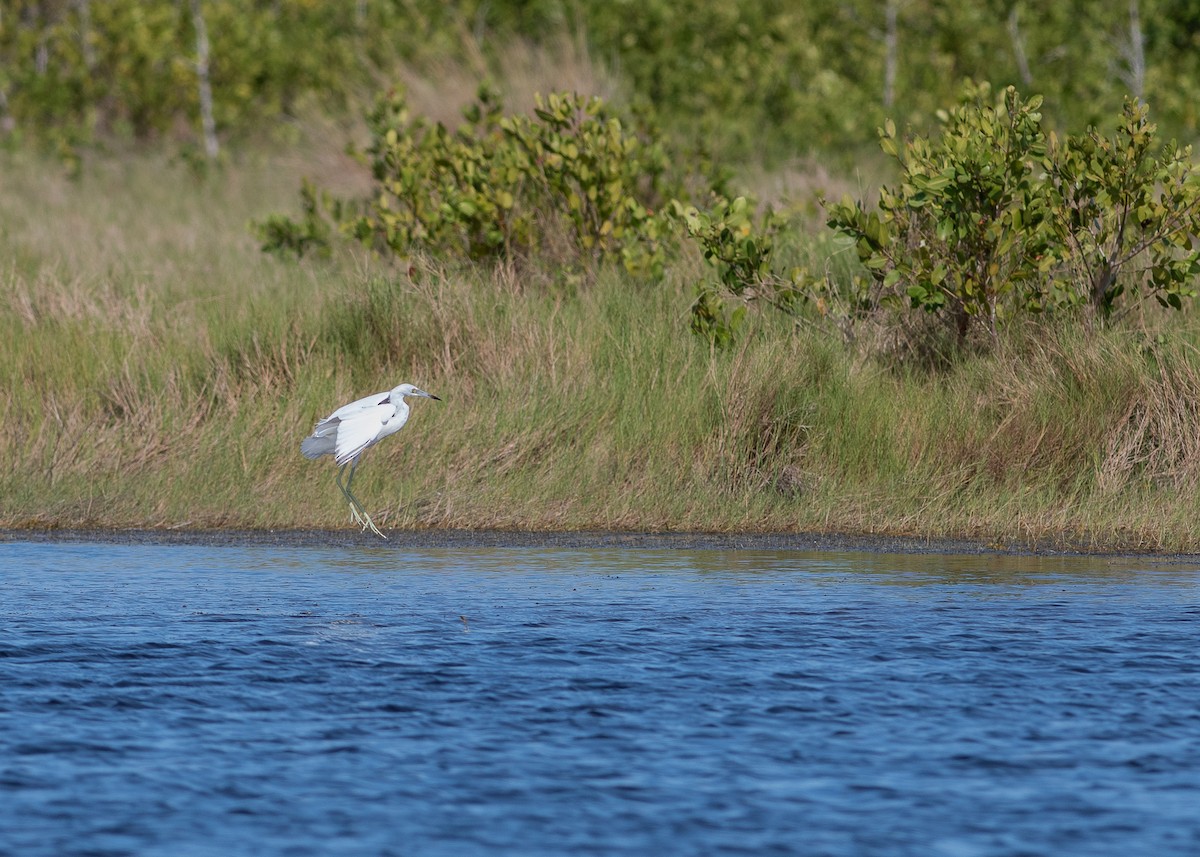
{"x": 209, "y": 126}
{"x": 84, "y": 9}
{"x": 1137, "y": 52}
{"x": 1018, "y": 46}
{"x": 891, "y": 57}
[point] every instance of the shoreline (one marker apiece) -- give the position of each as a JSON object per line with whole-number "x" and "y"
{"x": 432, "y": 538}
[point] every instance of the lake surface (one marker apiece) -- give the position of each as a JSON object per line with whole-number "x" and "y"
{"x": 196, "y": 700}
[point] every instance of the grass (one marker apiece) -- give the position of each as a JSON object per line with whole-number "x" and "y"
{"x": 158, "y": 370}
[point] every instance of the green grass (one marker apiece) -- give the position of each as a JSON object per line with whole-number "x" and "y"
{"x": 158, "y": 370}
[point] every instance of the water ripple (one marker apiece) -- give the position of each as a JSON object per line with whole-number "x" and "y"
{"x": 188, "y": 700}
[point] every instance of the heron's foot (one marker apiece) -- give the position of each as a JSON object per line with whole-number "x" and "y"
{"x": 364, "y": 520}
{"x": 368, "y": 524}
{"x": 360, "y": 517}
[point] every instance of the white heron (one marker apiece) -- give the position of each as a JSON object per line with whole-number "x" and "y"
{"x": 353, "y": 429}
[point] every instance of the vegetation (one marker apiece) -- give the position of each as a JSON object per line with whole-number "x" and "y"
{"x": 162, "y": 373}
{"x": 995, "y": 339}
{"x": 499, "y": 187}
{"x": 749, "y": 77}
{"x": 992, "y": 218}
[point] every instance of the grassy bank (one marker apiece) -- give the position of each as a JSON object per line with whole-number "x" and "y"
{"x": 158, "y": 370}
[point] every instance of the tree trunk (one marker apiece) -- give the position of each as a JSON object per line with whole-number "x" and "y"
{"x": 1135, "y": 53}
{"x": 891, "y": 57}
{"x": 209, "y": 126}
{"x": 84, "y": 10}
{"x": 1018, "y": 46}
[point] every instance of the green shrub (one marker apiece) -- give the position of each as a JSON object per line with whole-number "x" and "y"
{"x": 992, "y": 218}
{"x": 1124, "y": 213}
{"x": 572, "y": 181}
{"x": 963, "y": 231}
{"x": 312, "y": 233}
{"x": 740, "y": 248}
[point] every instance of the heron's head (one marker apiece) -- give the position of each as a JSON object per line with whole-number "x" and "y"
{"x": 410, "y": 390}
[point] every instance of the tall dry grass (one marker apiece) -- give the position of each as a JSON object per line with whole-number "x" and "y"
{"x": 158, "y": 370}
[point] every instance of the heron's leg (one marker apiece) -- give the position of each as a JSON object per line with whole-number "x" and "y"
{"x": 338, "y": 481}
{"x": 356, "y": 507}
{"x": 356, "y": 512}
{"x": 355, "y": 515}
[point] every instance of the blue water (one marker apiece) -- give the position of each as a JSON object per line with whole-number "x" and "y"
{"x": 185, "y": 700}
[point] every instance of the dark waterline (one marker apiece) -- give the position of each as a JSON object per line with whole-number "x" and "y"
{"x": 192, "y": 700}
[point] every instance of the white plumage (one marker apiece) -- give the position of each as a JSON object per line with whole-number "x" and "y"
{"x": 353, "y": 429}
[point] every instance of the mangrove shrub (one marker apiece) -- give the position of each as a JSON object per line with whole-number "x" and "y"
{"x": 992, "y": 217}
{"x": 572, "y": 181}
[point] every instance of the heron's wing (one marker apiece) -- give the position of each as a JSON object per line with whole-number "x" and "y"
{"x": 361, "y": 429}
{"x": 318, "y": 444}
{"x": 328, "y": 435}
{"x": 364, "y": 404}
{"x": 323, "y": 440}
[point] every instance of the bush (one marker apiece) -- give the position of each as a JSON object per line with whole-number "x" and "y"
{"x": 740, "y": 248}
{"x": 964, "y": 229}
{"x": 1124, "y": 212}
{"x": 993, "y": 218}
{"x": 283, "y": 236}
{"x": 571, "y": 180}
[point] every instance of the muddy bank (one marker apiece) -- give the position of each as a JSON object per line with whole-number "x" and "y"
{"x": 586, "y": 540}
